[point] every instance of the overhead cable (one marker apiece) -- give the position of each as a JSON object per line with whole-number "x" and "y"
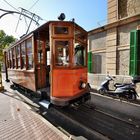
{"x": 33, "y": 4}
{"x": 10, "y": 5}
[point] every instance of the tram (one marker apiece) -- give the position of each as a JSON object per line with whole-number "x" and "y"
{"x": 52, "y": 61}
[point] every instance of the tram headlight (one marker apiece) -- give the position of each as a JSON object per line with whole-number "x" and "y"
{"x": 84, "y": 85}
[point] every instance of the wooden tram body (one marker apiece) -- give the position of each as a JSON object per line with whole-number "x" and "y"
{"x": 51, "y": 59}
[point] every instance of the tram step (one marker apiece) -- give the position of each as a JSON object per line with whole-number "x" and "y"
{"x": 45, "y": 103}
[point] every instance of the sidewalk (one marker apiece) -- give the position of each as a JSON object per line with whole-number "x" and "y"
{"x": 19, "y": 122}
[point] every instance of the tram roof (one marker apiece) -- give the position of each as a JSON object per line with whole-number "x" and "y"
{"x": 42, "y": 28}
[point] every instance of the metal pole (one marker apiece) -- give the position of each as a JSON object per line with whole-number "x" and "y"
{"x": 30, "y": 24}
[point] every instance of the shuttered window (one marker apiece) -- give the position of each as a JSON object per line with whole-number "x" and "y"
{"x": 134, "y": 65}
{"x": 89, "y": 62}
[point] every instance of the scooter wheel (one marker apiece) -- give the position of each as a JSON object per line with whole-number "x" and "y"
{"x": 132, "y": 97}
{"x": 102, "y": 91}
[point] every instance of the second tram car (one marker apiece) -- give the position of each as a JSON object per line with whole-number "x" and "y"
{"x": 51, "y": 60}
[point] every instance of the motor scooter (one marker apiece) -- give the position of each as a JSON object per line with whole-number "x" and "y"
{"x": 126, "y": 90}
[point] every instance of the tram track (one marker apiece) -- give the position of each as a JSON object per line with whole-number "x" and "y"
{"x": 115, "y": 117}
{"x": 75, "y": 128}
{"x": 107, "y": 124}
{"x": 96, "y": 123}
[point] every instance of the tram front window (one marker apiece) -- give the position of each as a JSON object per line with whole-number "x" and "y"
{"x": 62, "y": 53}
{"x": 79, "y": 55}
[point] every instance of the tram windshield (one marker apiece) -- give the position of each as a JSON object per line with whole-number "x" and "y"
{"x": 70, "y": 46}
{"x": 62, "y": 53}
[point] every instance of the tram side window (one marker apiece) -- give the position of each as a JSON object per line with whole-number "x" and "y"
{"x": 13, "y": 57}
{"x": 48, "y": 57}
{"x": 80, "y": 47}
{"x": 29, "y": 54}
{"x": 40, "y": 51}
{"x": 23, "y": 54}
{"x": 48, "y": 53}
{"x": 18, "y": 56}
{"x": 79, "y": 54}
{"x": 62, "y": 53}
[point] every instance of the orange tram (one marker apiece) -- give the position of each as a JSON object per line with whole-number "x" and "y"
{"x": 51, "y": 61}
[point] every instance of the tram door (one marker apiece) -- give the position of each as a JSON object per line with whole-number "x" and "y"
{"x": 41, "y": 64}
{"x": 62, "y": 43}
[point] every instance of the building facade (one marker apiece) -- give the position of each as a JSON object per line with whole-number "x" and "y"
{"x": 109, "y": 45}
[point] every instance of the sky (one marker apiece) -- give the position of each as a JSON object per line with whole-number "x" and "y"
{"x": 89, "y": 14}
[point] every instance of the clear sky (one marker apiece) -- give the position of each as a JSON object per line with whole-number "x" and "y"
{"x": 89, "y": 14}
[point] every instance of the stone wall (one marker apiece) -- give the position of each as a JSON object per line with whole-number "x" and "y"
{"x": 111, "y": 51}
{"x": 128, "y": 8}
{"x": 112, "y": 11}
{"x": 124, "y": 33}
{"x": 122, "y": 62}
{"x": 118, "y": 9}
{"x": 97, "y": 41}
{"x": 123, "y": 46}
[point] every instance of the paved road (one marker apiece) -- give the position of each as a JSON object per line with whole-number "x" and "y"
{"x": 123, "y": 109}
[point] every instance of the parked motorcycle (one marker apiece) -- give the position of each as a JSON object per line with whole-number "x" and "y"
{"x": 126, "y": 90}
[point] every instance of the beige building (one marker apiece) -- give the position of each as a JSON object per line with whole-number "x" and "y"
{"x": 110, "y": 44}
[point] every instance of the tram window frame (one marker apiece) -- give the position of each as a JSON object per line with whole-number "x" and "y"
{"x": 80, "y": 35}
{"x": 81, "y": 39}
{"x": 40, "y": 54}
{"x": 15, "y": 49}
{"x": 48, "y": 57}
{"x": 64, "y": 63}
{"x": 23, "y": 55}
{"x": 64, "y": 30}
{"x": 29, "y": 52}
{"x": 13, "y": 58}
{"x": 64, "y": 25}
{"x": 77, "y": 61}
{"x": 18, "y": 56}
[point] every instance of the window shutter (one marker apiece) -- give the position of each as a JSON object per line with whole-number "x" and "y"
{"x": 138, "y": 52}
{"x": 89, "y": 62}
{"x": 134, "y": 66}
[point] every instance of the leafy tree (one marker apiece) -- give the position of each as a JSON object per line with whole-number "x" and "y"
{"x": 5, "y": 41}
